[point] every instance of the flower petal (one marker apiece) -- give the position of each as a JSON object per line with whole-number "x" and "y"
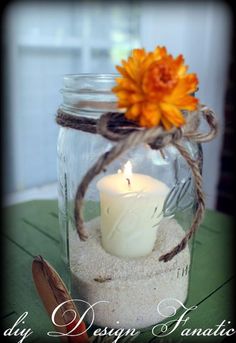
{"x": 160, "y": 52}
{"x": 187, "y": 102}
{"x": 151, "y": 115}
{"x": 126, "y": 84}
{"x": 186, "y": 85}
{"x": 134, "y": 111}
{"x": 172, "y": 114}
{"x": 122, "y": 71}
{"x": 139, "y": 53}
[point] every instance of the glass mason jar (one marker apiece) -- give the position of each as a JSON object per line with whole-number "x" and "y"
{"x": 135, "y": 211}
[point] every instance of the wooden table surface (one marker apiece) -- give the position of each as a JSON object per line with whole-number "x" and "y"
{"x": 31, "y": 229}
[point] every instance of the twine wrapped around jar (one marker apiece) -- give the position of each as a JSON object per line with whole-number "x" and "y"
{"x": 127, "y": 135}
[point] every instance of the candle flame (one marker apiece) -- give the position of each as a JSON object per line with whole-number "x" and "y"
{"x": 128, "y": 170}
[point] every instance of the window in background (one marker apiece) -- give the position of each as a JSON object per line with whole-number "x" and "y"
{"x": 46, "y": 41}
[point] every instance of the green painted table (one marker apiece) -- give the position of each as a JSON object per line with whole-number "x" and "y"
{"x": 31, "y": 229}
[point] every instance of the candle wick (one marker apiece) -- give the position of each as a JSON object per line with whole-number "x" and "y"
{"x": 129, "y": 183}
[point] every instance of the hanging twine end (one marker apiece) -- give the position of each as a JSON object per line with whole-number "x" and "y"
{"x": 82, "y": 235}
{"x": 165, "y": 258}
{"x": 80, "y": 228}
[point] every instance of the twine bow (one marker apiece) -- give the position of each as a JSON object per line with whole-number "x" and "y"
{"x": 127, "y": 135}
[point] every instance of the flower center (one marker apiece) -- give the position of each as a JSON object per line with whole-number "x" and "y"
{"x": 160, "y": 77}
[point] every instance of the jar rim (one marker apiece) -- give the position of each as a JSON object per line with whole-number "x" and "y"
{"x": 90, "y": 92}
{"x": 82, "y": 80}
{"x": 94, "y": 75}
{"x": 88, "y": 81}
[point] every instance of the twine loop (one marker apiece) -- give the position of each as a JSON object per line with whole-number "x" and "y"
{"x": 127, "y": 135}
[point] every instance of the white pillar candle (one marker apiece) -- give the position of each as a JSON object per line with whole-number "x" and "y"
{"x": 131, "y": 210}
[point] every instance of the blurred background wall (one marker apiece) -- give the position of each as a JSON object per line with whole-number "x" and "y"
{"x": 45, "y": 40}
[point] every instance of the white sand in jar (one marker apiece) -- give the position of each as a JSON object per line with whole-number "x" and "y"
{"x": 132, "y": 286}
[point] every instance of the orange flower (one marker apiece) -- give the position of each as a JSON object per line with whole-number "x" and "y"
{"x": 154, "y": 87}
